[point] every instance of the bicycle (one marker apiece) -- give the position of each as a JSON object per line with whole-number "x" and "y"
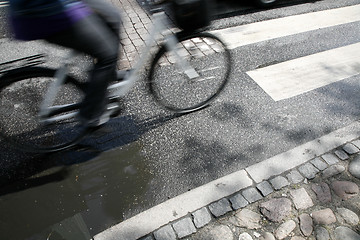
{"x": 40, "y": 104}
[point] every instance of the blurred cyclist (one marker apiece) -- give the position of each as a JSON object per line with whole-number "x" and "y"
{"x": 88, "y": 26}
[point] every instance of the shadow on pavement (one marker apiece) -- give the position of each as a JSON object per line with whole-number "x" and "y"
{"x": 18, "y": 168}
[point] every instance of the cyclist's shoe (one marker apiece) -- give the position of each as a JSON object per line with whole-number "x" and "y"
{"x": 122, "y": 74}
{"x": 111, "y": 110}
{"x": 120, "y": 102}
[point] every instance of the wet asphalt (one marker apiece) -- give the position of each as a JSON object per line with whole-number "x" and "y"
{"x": 148, "y": 155}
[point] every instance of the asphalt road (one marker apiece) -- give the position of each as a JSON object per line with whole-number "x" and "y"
{"x": 245, "y": 125}
{"x": 157, "y": 155}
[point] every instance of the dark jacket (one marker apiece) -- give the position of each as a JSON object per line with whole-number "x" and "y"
{"x": 37, "y": 8}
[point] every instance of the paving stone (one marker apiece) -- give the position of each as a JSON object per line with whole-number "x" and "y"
{"x": 345, "y": 189}
{"x": 256, "y": 234}
{"x": 319, "y": 164}
{"x": 325, "y": 216}
{"x": 308, "y": 170}
{"x": 245, "y": 236}
{"x": 276, "y": 209}
{"x": 301, "y": 198}
{"x": 267, "y": 236}
{"x": 306, "y": 224}
{"x": 333, "y": 170}
{"x": 129, "y": 48}
{"x": 348, "y": 216}
{"x": 330, "y": 158}
{"x": 220, "y": 207}
{"x": 356, "y": 143}
{"x": 322, "y": 191}
{"x": 184, "y": 227}
{"x": 350, "y": 148}
{"x": 147, "y": 238}
{"x": 201, "y": 217}
{"x": 342, "y": 155}
{"x": 238, "y": 201}
{"x": 138, "y": 42}
{"x": 265, "y": 188}
{"x": 251, "y": 195}
{"x": 279, "y": 182}
{"x": 165, "y": 233}
{"x": 297, "y": 238}
{"x": 342, "y": 233}
{"x": 322, "y": 234}
{"x": 217, "y": 232}
{"x": 249, "y": 219}
{"x": 354, "y": 167}
{"x": 295, "y": 177}
{"x": 285, "y": 229}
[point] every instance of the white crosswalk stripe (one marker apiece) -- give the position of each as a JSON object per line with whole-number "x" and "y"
{"x": 3, "y": 3}
{"x": 281, "y": 27}
{"x": 291, "y": 78}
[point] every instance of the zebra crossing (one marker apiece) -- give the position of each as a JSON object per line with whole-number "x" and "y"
{"x": 297, "y": 76}
{"x": 3, "y": 3}
{"x": 294, "y": 77}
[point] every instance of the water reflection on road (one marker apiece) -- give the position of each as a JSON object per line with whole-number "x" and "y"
{"x": 88, "y": 198}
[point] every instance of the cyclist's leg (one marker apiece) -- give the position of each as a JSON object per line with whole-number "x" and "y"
{"x": 107, "y": 12}
{"x": 92, "y": 36}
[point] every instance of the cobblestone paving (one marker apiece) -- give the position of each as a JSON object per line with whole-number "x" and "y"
{"x": 318, "y": 201}
{"x": 136, "y": 24}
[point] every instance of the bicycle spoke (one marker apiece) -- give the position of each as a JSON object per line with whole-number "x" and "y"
{"x": 21, "y": 97}
{"x": 174, "y": 89}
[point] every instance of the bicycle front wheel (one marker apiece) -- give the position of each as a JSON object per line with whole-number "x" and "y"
{"x": 21, "y": 93}
{"x": 173, "y": 89}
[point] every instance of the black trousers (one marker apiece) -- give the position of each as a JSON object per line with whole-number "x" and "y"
{"x": 98, "y": 36}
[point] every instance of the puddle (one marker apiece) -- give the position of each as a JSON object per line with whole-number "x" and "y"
{"x": 82, "y": 201}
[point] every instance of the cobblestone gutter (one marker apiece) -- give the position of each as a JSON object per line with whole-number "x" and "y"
{"x": 317, "y": 200}
{"x": 309, "y": 192}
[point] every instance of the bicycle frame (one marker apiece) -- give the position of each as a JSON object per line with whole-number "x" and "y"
{"x": 123, "y": 87}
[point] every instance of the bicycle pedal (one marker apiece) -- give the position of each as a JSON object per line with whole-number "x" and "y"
{"x": 114, "y": 99}
{"x": 114, "y": 109}
{"x": 45, "y": 122}
{"x": 122, "y": 74}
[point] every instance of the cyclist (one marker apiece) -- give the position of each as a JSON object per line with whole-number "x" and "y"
{"x": 88, "y": 26}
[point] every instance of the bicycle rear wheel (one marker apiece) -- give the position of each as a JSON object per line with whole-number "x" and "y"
{"x": 172, "y": 88}
{"x": 21, "y": 93}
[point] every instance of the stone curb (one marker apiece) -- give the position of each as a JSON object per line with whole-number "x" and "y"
{"x": 190, "y": 212}
{"x": 188, "y": 225}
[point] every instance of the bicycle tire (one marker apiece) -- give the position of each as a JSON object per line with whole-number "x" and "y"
{"x": 208, "y": 55}
{"x": 21, "y": 92}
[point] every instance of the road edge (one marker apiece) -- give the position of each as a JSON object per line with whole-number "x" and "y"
{"x": 178, "y": 207}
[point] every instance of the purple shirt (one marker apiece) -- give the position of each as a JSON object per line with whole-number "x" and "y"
{"x": 32, "y": 28}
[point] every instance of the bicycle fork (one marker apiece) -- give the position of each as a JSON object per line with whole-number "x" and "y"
{"x": 170, "y": 42}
